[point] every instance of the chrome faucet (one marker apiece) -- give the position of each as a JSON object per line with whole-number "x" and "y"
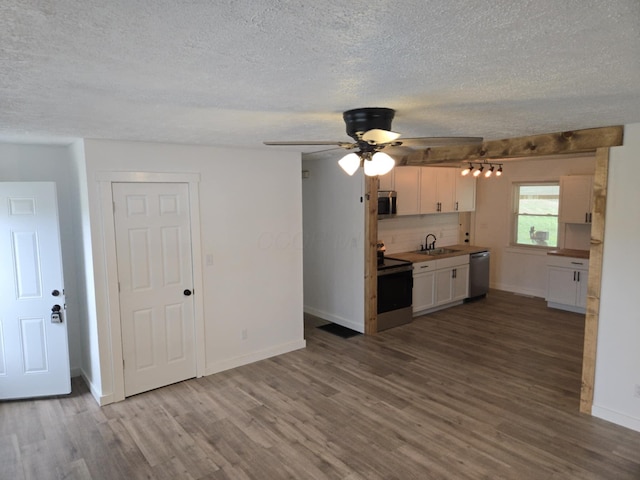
{"x": 432, "y": 245}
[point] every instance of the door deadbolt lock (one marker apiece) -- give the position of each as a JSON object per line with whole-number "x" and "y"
{"x": 56, "y": 314}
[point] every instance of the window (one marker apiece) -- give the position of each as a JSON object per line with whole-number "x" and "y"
{"x": 536, "y": 214}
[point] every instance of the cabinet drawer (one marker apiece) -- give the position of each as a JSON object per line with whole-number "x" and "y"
{"x": 568, "y": 262}
{"x": 452, "y": 261}
{"x": 422, "y": 267}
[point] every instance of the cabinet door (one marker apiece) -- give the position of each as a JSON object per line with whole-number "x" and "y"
{"x": 407, "y": 184}
{"x": 581, "y": 295}
{"x": 576, "y": 198}
{"x": 446, "y": 189}
{"x": 561, "y": 285}
{"x": 423, "y": 291}
{"x": 386, "y": 182}
{"x": 444, "y": 286}
{"x": 465, "y": 193}
{"x": 429, "y": 190}
{"x": 460, "y": 284}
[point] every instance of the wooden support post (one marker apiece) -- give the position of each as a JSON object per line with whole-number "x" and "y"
{"x": 595, "y": 279}
{"x": 370, "y": 256}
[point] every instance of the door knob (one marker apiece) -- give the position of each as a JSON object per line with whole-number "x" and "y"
{"x": 187, "y": 292}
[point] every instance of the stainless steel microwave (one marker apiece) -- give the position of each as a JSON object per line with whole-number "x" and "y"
{"x": 387, "y": 203}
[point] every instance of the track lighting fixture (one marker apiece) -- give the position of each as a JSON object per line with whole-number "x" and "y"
{"x": 489, "y": 172}
{"x": 479, "y": 168}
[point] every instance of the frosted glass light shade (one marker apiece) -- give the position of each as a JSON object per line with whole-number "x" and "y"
{"x": 380, "y": 164}
{"x": 378, "y": 136}
{"x": 350, "y": 163}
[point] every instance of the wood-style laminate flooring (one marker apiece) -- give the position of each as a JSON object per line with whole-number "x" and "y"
{"x": 485, "y": 390}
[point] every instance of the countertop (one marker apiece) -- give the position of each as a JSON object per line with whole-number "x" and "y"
{"x": 567, "y": 252}
{"x": 421, "y": 257}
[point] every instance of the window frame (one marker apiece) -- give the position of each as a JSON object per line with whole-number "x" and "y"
{"x": 513, "y": 237}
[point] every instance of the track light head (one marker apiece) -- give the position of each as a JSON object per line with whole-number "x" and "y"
{"x": 489, "y": 172}
{"x": 477, "y": 172}
{"x": 499, "y": 172}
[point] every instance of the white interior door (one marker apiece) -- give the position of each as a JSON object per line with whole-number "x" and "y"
{"x": 155, "y": 272}
{"x": 34, "y": 350}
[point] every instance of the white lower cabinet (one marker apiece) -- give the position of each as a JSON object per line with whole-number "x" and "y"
{"x": 438, "y": 283}
{"x": 567, "y": 283}
{"x": 424, "y": 282}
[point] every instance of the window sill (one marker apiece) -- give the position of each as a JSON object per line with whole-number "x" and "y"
{"x": 522, "y": 250}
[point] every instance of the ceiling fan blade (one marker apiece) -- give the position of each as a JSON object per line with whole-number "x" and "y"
{"x": 325, "y": 150}
{"x": 376, "y": 136}
{"x": 310, "y": 143}
{"x": 398, "y": 151}
{"x": 439, "y": 141}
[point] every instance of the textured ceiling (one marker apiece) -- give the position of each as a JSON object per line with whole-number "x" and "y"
{"x": 234, "y": 72}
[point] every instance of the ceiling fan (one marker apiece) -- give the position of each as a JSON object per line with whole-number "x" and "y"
{"x": 371, "y": 131}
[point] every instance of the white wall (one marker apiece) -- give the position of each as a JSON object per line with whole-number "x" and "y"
{"x": 513, "y": 269}
{"x": 30, "y": 163}
{"x": 250, "y": 223}
{"x": 333, "y": 244}
{"x": 84, "y": 267}
{"x": 616, "y": 396}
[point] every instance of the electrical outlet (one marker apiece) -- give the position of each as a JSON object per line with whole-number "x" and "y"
{"x": 245, "y": 334}
{"x": 636, "y": 391}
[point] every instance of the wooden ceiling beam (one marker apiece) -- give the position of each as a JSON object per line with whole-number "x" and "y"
{"x": 575, "y": 141}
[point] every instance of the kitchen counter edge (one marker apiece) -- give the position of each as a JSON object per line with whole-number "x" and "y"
{"x": 421, "y": 257}
{"x": 567, "y": 252}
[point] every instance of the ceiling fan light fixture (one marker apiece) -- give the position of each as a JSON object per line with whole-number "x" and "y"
{"x": 350, "y": 163}
{"x": 378, "y": 136}
{"x": 379, "y": 164}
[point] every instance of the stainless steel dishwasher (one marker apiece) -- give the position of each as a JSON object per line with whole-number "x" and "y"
{"x": 479, "y": 274}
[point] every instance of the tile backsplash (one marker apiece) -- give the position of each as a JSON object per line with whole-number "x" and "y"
{"x": 407, "y": 233}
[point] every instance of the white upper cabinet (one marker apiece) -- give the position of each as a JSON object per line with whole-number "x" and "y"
{"x": 437, "y": 190}
{"x": 465, "y": 192}
{"x": 432, "y": 190}
{"x": 407, "y": 183}
{"x": 576, "y": 198}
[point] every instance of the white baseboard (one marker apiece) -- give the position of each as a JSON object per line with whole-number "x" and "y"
{"x": 254, "y": 357}
{"x": 102, "y": 400}
{"x": 357, "y": 326}
{"x": 616, "y": 417}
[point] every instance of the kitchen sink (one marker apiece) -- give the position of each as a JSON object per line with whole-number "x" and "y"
{"x": 437, "y": 251}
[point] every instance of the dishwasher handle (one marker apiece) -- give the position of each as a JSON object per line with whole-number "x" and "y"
{"x": 479, "y": 255}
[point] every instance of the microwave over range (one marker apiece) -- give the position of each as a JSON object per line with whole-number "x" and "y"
{"x": 387, "y": 203}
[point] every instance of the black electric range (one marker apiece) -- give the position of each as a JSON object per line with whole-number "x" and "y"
{"x": 389, "y": 263}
